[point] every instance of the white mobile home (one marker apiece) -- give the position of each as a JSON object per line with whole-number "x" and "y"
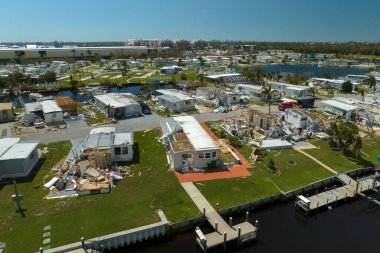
{"x": 52, "y": 112}
{"x": 337, "y": 107}
{"x": 290, "y": 90}
{"x": 118, "y": 104}
{"x": 17, "y": 159}
{"x": 116, "y": 145}
{"x": 175, "y": 100}
{"x": 252, "y": 91}
{"x": 227, "y": 98}
{"x": 188, "y": 144}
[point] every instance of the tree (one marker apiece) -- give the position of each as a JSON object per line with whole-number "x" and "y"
{"x": 371, "y": 82}
{"x": 313, "y": 91}
{"x": 125, "y": 69}
{"x": 345, "y": 136}
{"x": 330, "y": 92}
{"x": 361, "y": 91}
{"x": 272, "y": 166}
{"x": 50, "y": 77}
{"x": 73, "y": 51}
{"x": 201, "y": 61}
{"x": 269, "y": 94}
{"x": 326, "y": 74}
{"x": 145, "y": 88}
{"x": 346, "y": 87}
{"x": 109, "y": 109}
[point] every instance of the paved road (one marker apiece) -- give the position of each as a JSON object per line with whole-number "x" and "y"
{"x": 136, "y": 124}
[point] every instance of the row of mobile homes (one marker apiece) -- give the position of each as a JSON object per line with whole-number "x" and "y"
{"x": 17, "y": 159}
{"x": 188, "y": 144}
{"x": 118, "y": 105}
{"x": 290, "y": 90}
{"x": 175, "y": 100}
{"x": 332, "y": 83}
{"x": 6, "y": 112}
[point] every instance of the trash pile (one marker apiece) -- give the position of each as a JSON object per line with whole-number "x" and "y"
{"x": 74, "y": 177}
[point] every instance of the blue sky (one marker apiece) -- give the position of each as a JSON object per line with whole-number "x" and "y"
{"x": 258, "y": 20}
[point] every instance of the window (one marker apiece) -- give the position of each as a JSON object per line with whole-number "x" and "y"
{"x": 31, "y": 155}
{"x": 200, "y": 155}
{"x": 124, "y": 150}
{"x": 214, "y": 154}
{"x": 208, "y": 155}
{"x": 118, "y": 151}
{"x": 187, "y": 102}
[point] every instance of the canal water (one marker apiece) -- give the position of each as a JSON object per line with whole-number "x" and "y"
{"x": 314, "y": 70}
{"x": 348, "y": 227}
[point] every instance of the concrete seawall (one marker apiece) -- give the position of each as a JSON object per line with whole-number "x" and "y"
{"x": 165, "y": 228}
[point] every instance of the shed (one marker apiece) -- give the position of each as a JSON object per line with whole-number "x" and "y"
{"x": 6, "y": 112}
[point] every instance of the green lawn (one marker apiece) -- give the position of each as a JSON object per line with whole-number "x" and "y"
{"x": 263, "y": 183}
{"x": 338, "y": 161}
{"x": 131, "y": 204}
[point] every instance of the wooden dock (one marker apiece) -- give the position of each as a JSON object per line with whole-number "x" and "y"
{"x": 224, "y": 232}
{"x": 350, "y": 189}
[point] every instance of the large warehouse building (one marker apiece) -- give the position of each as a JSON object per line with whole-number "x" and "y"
{"x": 7, "y": 53}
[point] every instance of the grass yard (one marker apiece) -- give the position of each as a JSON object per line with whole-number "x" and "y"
{"x": 131, "y": 204}
{"x": 263, "y": 183}
{"x": 341, "y": 163}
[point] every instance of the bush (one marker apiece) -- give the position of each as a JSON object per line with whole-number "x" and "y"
{"x": 234, "y": 141}
{"x": 272, "y": 166}
{"x": 346, "y": 87}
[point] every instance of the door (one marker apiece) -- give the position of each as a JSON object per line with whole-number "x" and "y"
{"x": 5, "y": 115}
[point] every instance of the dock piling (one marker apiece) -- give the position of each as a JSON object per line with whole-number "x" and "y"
{"x": 41, "y": 250}
{"x": 225, "y": 240}
{"x": 246, "y": 216}
{"x": 239, "y": 235}
{"x": 216, "y": 226}
{"x": 230, "y": 222}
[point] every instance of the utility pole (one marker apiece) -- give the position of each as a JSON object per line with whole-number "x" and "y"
{"x": 17, "y": 199}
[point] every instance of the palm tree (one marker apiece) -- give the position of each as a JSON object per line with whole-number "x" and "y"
{"x": 361, "y": 91}
{"x": 109, "y": 110}
{"x": 269, "y": 94}
{"x": 345, "y": 136}
{"x": 260, "y": 74}
{"x": 371, "y": 82}
{"x": 201, "y": 61}
{"x": 73, "y": 51}
{"x": 313, "y": 91}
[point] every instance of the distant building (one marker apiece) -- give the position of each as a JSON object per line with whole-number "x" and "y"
{"x": 153, "y": 43}
{"x": 17, "y": 159}
{"x": 229, "y": 78}
{"x": 188, "y": 144}
{"x": 6, "y": 112}
{"x": 175, "y": 100}
{"x": 70, "y": 52}
{"x": 118, "y": 104}
{"x": 170, "y": 70}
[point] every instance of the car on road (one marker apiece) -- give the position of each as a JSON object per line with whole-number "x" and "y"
{"x": 286, "y": 105}
{"x": 145, "y": 109}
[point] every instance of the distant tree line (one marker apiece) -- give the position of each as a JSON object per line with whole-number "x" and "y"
{"x": 370, "y": 48}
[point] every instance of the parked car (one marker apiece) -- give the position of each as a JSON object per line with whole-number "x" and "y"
{"x": 145, "y": 109}
{"x": 286, "y": 105}
{"x": 39, "y": 123}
